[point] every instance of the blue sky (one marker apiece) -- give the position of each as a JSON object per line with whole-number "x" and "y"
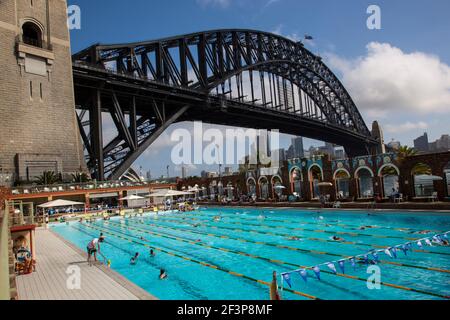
{"x": 399, "y": 75}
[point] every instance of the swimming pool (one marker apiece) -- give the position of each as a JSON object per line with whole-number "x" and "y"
{"x": 233, "y": 258}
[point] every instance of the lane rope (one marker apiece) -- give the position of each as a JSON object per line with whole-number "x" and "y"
{"x": 204, "y": 264}
{"x": 279, "y": 262}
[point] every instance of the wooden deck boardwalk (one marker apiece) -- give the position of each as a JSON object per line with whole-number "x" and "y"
{"x": 54, "y": 255}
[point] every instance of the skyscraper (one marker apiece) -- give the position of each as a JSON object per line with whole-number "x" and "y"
{"x": 421, "y": 143}
{"x": 297, "y": 144}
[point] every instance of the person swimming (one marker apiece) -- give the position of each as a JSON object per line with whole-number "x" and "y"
{"x": 135, "y": 258}
{"x": 294, "y": 238}
{"x": 152, "y": 253}
{"x": 336, "y": 238}
{"x": 162, "y": 274}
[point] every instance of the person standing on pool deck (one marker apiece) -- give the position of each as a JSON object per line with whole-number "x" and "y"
{"x": 94, "y": 246}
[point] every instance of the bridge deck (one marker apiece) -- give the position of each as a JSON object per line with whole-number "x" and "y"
{"x": 54, "y": 255}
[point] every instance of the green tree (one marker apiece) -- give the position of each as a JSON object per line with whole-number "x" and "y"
{"x": 80, "y": 177}
{"x": 47, "y": 178}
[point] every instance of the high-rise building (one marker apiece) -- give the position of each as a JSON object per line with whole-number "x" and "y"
{"x": 440, "y": 145}
{"x": 421, "y": 143}
{"x": 183, "y": 172}
{"x": 38, "y": 123}
{"x": 297, "y": 144}
{"x": 149, "y": 175}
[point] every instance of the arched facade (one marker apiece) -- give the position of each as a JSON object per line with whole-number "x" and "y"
{"x": 389, "y": 177}
{"x": 263, "y": 183}
{"x": 342, "y": 182}
{"x": 296, "y": 181}
{"x": 364, "y": 177}
{"x": 315, "y": 174}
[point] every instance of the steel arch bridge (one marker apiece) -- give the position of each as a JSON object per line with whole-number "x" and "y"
{"x": 241, "y": 78}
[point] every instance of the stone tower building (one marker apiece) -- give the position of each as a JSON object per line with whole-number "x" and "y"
{"x": 38, "y": 126}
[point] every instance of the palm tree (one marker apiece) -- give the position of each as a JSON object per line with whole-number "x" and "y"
{"x": 405, "y": 152}
{"x": 80, "y": 177}
{"x": 47, "y": 178}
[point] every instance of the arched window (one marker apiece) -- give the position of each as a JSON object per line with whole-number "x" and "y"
{"x": 277, "y": 186}
{"x": 423, "y": 180}
{"x": 264, "y": 188}
{"x": 296, "y": 181}
{"x": 365, "y": 183}
{"x": 251, "y": 187}
{"x": 390, "y": 179}
{"x": 315, "y": 177}
{"x": 342, "y": 178}
{"x": 32, "y": 34}
{"x": 447, "y": 177}
{"x": 230, "y": 191}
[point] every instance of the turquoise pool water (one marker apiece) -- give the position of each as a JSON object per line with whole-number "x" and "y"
{"x": 205, "y": 259}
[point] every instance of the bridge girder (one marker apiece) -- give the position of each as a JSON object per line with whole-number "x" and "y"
{"x": 248, "y": 70}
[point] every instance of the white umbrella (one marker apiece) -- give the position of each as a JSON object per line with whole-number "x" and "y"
{"x": 60, "y": 203}
{"x": 280, "y": 187}
{"x": 428, "y": 177}
{"x": 325, "y": 184}
{"x": 170, "y": 193}
{"x": 132, "y": 197}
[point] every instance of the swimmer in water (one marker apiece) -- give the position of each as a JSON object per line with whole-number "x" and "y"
{"x": 336, "y": 238}
{"x": 152, "y": 253}
{"x": 294, "y": 239}
{"x": 162, "y": 274}
{"x": 422, "y": 232}
{"x": 134, "y": 259}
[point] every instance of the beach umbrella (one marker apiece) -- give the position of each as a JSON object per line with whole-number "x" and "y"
{"x": 429, "y": 177}
{"x": 59, "y": 203}
{"x": 325, "y": 184}
{"x": 131, "y": 197}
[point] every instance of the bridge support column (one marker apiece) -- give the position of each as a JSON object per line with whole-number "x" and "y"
{"x": 97, "y": 134}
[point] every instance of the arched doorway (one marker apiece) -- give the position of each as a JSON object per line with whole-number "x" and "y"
{"x": 389, "y": 175}
{"x": 32, "y": 34}
{"x": 251, "y": 188}
{"x": 220, "y": 189}
{"x": 277, "y": 187}
{"x": 296, "y": 181}
{"x": 447, "y": 177}
{"x": 342, "y": 179}
{"x": 364, "y": 178}
{"x": 212, "y": 190}
{"x": 315, "y": 177}
{"x": 423, "y": 180}
{"x": 264, "y": 188}
{"x": 230, "y": 191}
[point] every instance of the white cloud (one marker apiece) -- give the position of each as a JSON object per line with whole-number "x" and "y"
{"x": 406, "y": 127}
{"x": 389, "y": 80}
{"x": 219, "y": 3}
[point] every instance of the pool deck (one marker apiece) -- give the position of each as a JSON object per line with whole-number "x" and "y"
{"x": 54, "y": 255}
